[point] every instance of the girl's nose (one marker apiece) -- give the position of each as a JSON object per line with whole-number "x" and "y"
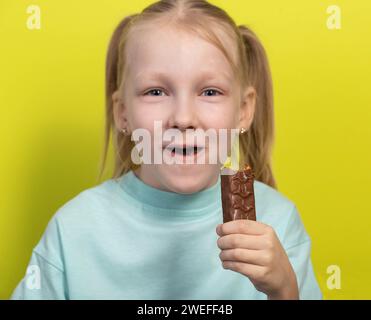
{"x": 183, "y": 114}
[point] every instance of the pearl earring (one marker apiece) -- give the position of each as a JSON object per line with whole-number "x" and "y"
{"x": 243, "y": 130}
{"x": 124, "y": 131}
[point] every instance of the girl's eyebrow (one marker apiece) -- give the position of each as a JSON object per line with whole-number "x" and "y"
{"x": 206, "y": 75}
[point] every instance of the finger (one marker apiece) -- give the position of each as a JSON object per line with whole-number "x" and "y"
{"x": 253, "y": 272}
{"x": 244, "y": 241}
{"x": 256, "y": 257}
{"x": 241, "y": 226}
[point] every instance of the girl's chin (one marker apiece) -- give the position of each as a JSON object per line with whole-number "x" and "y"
{"x": 187, "y": 183}
{"x": 184, "y": 188}
{"x": 184, "y": 172}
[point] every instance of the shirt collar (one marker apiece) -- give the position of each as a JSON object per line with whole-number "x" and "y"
{"x": 196, "y": 203}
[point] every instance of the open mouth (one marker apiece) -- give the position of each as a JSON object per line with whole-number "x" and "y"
{"x": 184, "y": 151}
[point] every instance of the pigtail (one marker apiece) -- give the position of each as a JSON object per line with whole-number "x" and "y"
{"x": 112, "y": 69}
{"x": 256, "y": 144}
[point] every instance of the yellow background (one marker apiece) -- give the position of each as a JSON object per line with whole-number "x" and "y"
{"x": 52, "y": 111}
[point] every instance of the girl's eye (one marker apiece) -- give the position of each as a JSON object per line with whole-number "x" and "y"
{"x": 211, "y": 91}
{"x": 157, "y": 92}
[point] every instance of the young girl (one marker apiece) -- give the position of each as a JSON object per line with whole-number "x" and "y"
{"x": 155, "y": 230}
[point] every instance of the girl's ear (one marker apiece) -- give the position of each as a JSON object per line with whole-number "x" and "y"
{"x": 247, "y": 107}
{"x": 119, "y": 111}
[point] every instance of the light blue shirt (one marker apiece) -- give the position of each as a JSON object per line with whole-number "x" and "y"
{"x": 123, "y": 239}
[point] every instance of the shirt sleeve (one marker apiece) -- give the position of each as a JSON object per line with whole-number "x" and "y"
{"x": 297, "y": 244}
{"x": 45, "y": 276}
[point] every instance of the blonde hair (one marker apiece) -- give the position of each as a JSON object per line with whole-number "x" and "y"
{"x": 248, "y": 60}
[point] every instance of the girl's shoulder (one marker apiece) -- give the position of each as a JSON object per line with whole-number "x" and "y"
{"x": 95, "y": 199}
{"x": 77, "y": 219}
{"x": 268, "y": 198}
{"x": 277, "y": 210}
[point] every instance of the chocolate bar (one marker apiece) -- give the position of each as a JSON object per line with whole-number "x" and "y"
{"x": 238, "y": 200}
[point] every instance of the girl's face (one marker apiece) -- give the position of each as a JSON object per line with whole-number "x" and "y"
{"x": 186, "y": 83}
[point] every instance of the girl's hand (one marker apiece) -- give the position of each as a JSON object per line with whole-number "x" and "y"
{"x": 254, "y": 250}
